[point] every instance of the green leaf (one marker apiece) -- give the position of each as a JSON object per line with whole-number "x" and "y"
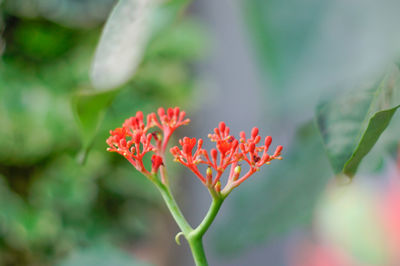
{"x": 122, "y": 43}
{"x": 352, "y": 123}
{"x": 128, "y": 30}
{"x": 282, "y": 38}
{"x": 278, "y": 202}
{"x": 89, "y": 108}
{"x": 304, "y": 49}
{"x": 101, "y": 255}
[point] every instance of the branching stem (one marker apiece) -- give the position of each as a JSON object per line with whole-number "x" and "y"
{"x": 194, "y": 237}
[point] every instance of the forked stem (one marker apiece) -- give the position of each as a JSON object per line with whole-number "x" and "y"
{"x": 193, "y": 236}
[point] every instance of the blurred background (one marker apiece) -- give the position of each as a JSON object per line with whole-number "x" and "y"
{"x": 67, "y": 78}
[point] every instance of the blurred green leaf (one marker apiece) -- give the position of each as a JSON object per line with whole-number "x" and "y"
{"x": 101, "y": 255}
{"x": 284, "y": 199}
{"x": 49, "y": 204}
{"x": 41, "y": 41}
{"x": 352, "y": 123}
{"x": 185, "y": 40}
{"x": 282, "y": 37}
{"x": 122, "y": 43}
{"x": 305, "y": 48}
{"x": 89, "y": 109}
{"x": 130, "y": 27}
{"x": 70, "y": 13}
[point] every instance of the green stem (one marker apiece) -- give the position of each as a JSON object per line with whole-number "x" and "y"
{"x": 174, "y": 209}
{"x": 193, "y": 236}
{"x": 196, "y": 246}
{"x": 209, "y": 218}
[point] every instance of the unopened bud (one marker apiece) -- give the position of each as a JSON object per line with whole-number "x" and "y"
{"x": 238, "y": 169}
{"x": 209, "y": 176}
{"x": 236, "y": 172}
{"x": 268, "y": 141}
{"x": 222, "y": 126}
{"x": 156, "y": 162}
{"x": 242, "y": 136}
{"x": 218, "y": 186}
{"x": 278, "y": 151}
{"x": 254, "y": 132}
{"x": 209, "y": 171}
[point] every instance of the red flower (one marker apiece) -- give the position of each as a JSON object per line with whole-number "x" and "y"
{"x": 169, "y": 121}
{"x": 230, "y": 153}
{"x": 134, "y": 140}
{"x": 132, "y": 145}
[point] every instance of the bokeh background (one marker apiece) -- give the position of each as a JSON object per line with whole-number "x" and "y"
{"x": 65, "y": 201}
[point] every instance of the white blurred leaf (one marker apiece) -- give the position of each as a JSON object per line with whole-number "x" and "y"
{"x": 122, "y": 43}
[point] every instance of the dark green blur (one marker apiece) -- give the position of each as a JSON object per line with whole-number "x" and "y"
{"x": 51, "y": 206}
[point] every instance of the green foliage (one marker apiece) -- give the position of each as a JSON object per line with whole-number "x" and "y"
{"x": 40, "y": 41}
{"x": 352, "y": 123}
{"x": 282, "y": 38}
{"x": 70, "y": 13}
{"x": 305, "y": 53}
{"x": 305, "y": 48}
{"x": 50, "y": 205}
{"x": 89, "y": 109}
{"x": 101, "y": 255}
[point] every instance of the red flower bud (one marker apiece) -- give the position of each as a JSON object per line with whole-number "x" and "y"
{"x": 176, "y": 112}
{"x": 254, "y": 132}
{"x": 222, "y": 126}
{"x": 139, "y": 115}
{"x": 242, "y": 136}
{"x": 156, "y": 162}
{"x": 278, "y": 151}
{"x": 161, "y": 112}
{"x": 170, "y": 112}
{"x": 268, "y": 141}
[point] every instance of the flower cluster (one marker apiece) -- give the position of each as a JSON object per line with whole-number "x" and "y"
{"x": 134, "y": 139}
{"x": 228, "y": 152}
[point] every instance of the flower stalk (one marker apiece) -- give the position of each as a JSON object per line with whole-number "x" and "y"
{"x": 136, "y": 138}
